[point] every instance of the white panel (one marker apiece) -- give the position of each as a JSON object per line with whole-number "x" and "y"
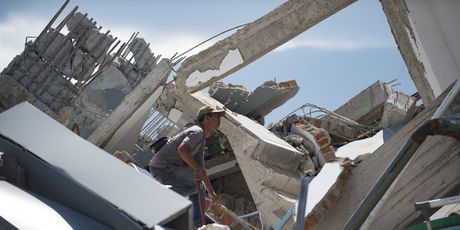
{"x": 139, "y": 196}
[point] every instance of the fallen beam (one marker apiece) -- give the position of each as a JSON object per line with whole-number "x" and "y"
{"x": 253, "y": 41}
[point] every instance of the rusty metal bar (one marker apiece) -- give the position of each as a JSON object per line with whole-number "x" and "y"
{"x": 51, "y": 21}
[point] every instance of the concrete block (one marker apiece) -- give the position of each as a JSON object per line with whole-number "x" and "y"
{"x": 397, "y": 109}
{"x": 367, "y": 106}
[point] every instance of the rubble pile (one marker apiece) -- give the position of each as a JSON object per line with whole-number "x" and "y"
{"x": 313, "y": 142}
{"x": 257, "y": 104}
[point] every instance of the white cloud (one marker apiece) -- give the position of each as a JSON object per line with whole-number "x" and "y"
{"x": 13, "y": 32}
{"x": 165, "y": 43}
{"x": 16, "y": 27}
{"x": 334, "y": 44}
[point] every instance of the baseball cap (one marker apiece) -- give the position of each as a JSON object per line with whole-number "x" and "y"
{"x": 209, "y": 109}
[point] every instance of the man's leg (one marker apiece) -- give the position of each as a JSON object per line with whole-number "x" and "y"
{"x": 182, "y": 180}
{"x": 196, "y": 205}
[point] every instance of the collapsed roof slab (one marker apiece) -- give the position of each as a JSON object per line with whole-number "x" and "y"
{"x": 267, "y": 97}
{"x": 251, "y": 143}
{"x": 432, "y": 173}
{"x": 232, "y": 96}
{"x": 243, "y": 47}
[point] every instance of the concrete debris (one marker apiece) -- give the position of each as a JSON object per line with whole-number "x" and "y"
{"x": 397, "y": 109}
{"x": 220, "y": 214}
{"x": 56, "y": 73}
{"x": 432, "y": 172}
{"x": 96, "y": 190}
{"x": 379, "y": 104}
{"x": 79, "y": 23}
{"x": 230, "y": 95}
{"x": 257, "y": 104}
{"x": 83, "y": 80}
{"x": 324, "y": 190}
{"x": 314, "y": 143}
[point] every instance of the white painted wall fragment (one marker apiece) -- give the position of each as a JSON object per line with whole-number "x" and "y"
{"x": 356, "y": 148}
{"x": 230, "y": 61}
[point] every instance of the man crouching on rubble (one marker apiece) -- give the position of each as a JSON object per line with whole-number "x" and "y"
{"x": 181, "y": 159}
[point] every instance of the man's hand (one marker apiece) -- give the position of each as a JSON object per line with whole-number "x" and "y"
{"x": 201, "y": 175}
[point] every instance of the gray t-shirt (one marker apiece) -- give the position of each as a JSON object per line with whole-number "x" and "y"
{"x": 168, "y": 154}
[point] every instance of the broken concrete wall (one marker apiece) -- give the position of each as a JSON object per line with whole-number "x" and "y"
{"x": 427, "y": 35}
{"x": 99, "y": 99}
{"x": 47, "y": 65}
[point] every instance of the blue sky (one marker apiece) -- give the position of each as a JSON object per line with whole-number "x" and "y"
{"x": 331, "y": 62}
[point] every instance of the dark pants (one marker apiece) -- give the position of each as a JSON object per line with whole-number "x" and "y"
{"x": 182, "y": 181}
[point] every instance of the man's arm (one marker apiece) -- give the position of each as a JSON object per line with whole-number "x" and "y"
{"x": 184, "y": 153}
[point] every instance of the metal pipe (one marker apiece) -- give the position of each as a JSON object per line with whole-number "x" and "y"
{"x": 126, "y": 51}
{"x": 51, "y": 22}
{"x": 302, "y": 204}
{"x": 66, "y": 19}
{"x": 148, "y": 126}
{"x": 437, "y": 202}
{"x": 425, "y": 206}
{"x": 54, "y": 36}
{"x": 448, "y": 100}
{"x": 129, "y": 41}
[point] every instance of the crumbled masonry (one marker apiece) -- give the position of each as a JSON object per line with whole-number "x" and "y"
{"x": 114, "y": 94}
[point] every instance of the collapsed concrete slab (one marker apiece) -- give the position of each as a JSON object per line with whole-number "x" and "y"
{"x": 230, "y": 95}
{"x": 267, "y": 97}
{"x": 379, "y": 102}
